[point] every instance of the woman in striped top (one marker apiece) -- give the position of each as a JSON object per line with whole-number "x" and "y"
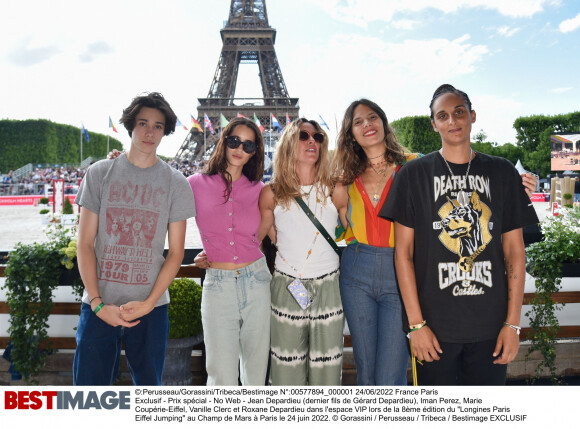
{"x": 366, "y": 162}
{"x": 367, "y": 159}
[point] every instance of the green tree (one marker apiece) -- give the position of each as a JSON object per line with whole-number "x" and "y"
{"x": 539, "y": 161}
{"x": 533, "y": 137}
{"x": 483, "y": 147}
{"x": 42, "y": 141}
{"x": 511, "y": 152}
{"x": 480, "y": 136}
{"x": 530, "y": 128}
{"x": 417, "y": 134}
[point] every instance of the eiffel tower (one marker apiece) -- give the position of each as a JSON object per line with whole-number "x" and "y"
{"x": 247, "y": 39}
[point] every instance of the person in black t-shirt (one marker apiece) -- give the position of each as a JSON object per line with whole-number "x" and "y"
{"x": 459, "y": 252}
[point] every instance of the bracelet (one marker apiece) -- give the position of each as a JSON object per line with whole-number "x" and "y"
{"x": 98, "y": 308}
{"x": 514, "y": 327}
{"x": 417, "y": 327}
{"x": 91, "y": 301}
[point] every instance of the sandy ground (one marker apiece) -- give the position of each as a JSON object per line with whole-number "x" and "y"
{"x": 23, "y": 224}
{"x": 558, "y": 164}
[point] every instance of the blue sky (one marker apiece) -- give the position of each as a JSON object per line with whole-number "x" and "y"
{"x": 80, "y": 61}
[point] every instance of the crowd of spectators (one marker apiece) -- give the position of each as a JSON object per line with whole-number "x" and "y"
{"x": 187, "y": 168}
{"x": 34, "y": 182}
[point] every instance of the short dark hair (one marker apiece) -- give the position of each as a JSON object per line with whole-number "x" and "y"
{"x": 445, "y": 89}
{"x": 153, "y": 100}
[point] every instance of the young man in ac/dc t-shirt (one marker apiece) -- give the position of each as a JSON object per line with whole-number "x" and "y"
{"x": 129, "y": 205}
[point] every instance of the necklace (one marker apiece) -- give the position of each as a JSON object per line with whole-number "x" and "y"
{"x": 383, "y": 173}
{"x": 299, "y": 271}
{"x": 307, "y": 194}
{"x": 306, "y": 197}
{"x": 461, "y": 195}
{"x": 376, "y": 195}
{"x": 378, "y": 156}
{"x": 379, "y": 164}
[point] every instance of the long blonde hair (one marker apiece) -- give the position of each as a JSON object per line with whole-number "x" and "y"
{"x": 350, "y": 160}
{"x": 285, "y": 182}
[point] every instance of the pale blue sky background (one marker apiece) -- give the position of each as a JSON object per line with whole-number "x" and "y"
{"x": 73, "y": 61}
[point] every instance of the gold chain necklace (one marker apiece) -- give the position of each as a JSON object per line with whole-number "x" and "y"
{"x": 381, "y": 170}
{"x": 316, "y": 199}
{"x": 383, "y": 173}
{"x": 378, "y": 156}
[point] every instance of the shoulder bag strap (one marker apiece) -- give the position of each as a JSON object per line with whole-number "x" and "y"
{"x": 317, "y": 224}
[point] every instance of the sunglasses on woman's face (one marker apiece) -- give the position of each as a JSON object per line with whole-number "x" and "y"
{"x": 233, "y": 142}
{"x": 305, "y": 135}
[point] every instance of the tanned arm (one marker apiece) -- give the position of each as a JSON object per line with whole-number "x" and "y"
{"x": 267, "y": 204}
{"x": 340, "y": 201}
{"x": 508, "y": 341}
{"x": 424, "y": 342}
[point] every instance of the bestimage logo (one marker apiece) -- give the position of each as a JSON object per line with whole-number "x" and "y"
{"x": 64, "y": 400}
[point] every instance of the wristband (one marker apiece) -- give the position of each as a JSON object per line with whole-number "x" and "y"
{"x": 417, "y": 327}
{"x": 98, "y": 308}
{"x": 91, "y": 301}
{"x": 514, "y": 327}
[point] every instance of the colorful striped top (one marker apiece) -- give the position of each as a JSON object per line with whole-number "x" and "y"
{"x": 364, "y": 224}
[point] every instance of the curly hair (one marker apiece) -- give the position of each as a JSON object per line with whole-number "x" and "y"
{"x": 350, "y": 160}
{"x": 218, "y": 164}
{"x": 153, "y": 100}
{"x": 285, "y": 182}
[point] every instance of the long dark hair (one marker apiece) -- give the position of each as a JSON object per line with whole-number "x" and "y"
{"x": 218, "y": 164}
{"x": 350, "y": 160}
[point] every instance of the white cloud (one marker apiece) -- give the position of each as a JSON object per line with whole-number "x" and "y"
{"x": 437, "y": 58}
{"x": 512, "y": 8}
{"x": 362, "y": 12}
{"x": 569, "y": 25}
{"x": 95, "y": 50}
{"x": 405, "y": 24}
{"x": 373, "y": 60}
{"x": 400, "y": 77}
{"x": 25, "y": 55}
{"x": 561, "y": 90}
{"x": 506, "y": 31}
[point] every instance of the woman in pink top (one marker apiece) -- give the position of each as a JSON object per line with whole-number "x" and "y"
{"x": 235, "y": 305}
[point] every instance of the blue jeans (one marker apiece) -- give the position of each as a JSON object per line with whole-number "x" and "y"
{"x": 373, "y": 309}
{"x": 98, "y": 352}
{"x": 235, "y": 312}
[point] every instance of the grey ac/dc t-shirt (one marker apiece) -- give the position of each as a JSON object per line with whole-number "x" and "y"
{"x": 135, "y": 206}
